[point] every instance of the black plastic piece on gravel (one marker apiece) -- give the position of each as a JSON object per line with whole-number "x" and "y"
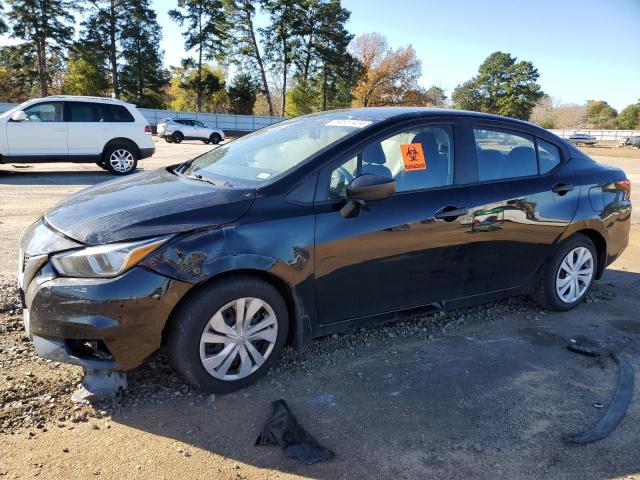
{"x": 617, "y": 407}
{"x": 283, "y": 429}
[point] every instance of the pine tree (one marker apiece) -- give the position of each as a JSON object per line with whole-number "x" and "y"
{"x": 283, "y": 37}
{"x": 142, "y": 75}
{"x": 242, "y": 94}
{"x": 243, "y": 41}
{"x": 47, "y": 25}
{"x": 100, "y": 37}
{"x": 3, "y": 24}
{"x": 206, "y": 31}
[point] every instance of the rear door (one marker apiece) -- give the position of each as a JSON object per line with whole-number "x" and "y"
{"x": 43, "y": 135}
{"x": 522, "y": 202}
{"x": 90, "y": 128}
{"x": 398, "y": 252}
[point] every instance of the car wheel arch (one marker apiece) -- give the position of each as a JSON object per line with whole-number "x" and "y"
{"x": 121, "y": 141}
{"x": 594, "y": 231}
{"x": 299, "y": 327}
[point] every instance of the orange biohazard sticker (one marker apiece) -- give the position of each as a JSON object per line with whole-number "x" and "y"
{"x": 413, "y": 157}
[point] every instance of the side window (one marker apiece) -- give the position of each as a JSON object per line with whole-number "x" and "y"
{"x": 504, "y": 154}
{"x": 418, "y": 158}
{"x": 85, "y": 112}
{"x": 44, "y": 112}
{"x": 340, "y": 177}
{"x": 120, "y": 114}
{"x": 548, "y": 156}
{"x": 198, "y": 124}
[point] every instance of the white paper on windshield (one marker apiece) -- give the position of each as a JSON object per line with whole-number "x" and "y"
{"x": 348, "y": 123}
{"x": 263, "y": 175}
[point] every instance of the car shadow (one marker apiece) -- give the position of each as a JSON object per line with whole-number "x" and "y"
{"x": 29, "y": 176}
{"x": 473, "y": 393}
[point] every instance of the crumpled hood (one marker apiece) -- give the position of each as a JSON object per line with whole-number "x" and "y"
{"x": 147, "y": 204}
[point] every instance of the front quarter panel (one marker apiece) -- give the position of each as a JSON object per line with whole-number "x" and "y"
{"x": 274, "y": 237}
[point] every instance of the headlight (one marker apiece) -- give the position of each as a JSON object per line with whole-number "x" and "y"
{"x": 104, "y": 260}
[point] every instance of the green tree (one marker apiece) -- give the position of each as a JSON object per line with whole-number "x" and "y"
{"x": 629, "y": 117}
{"x": 47, "y": 25}
{"x": 206, "y": 32}
{"x": 282, "y": 37}
{"x": 502, "y": 86}
{"x": 600, "y": 114}
{"x": 242, "y": 94}
{"x": 83, "y": 77}
{"x": 3, "y": 24}
{"x": 303, "y": 98}
{"x": 243, "y": 41}
{"x": 143, "y": 74}
{"x": 185, "y": 84}
{"x": 101, "y": 36}
{"x": 18, "y": 73}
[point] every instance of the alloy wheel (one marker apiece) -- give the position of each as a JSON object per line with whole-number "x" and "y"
{"x": 574, "y": 275}
{"x": 238, "y": 338}
{"x": 121, "y": 160}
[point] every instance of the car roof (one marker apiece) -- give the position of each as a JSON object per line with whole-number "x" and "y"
{"x": 388, "y": 113}
{"x": 84, "y": 98}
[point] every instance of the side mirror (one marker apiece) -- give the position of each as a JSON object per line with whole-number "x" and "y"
{"x": 365, "y": 188}
{"x": 19, "y": 116}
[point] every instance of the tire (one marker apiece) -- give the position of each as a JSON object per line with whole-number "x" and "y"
{"x": 553, "y": 290}
{"x": 193, "y": 319}
{"x": 168, "y": 139}
{"x": 215, "y": 138}
{"x": 102, "y": 165}
{"x": 177, "y": 137}
{"x": 121, "y": 159}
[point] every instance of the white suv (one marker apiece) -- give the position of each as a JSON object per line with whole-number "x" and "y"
{"x": 174, "y": 131}
{"x": 64, "y": 128}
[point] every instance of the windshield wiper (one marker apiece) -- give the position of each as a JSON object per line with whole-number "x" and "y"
{"x": 208, "y": 180}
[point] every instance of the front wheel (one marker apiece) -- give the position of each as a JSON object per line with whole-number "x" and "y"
{"x": 227, "y": 335}
{"x": 121, "y": 159}
{"x": 215, "y": 138}
{"x": 568, "y": 274}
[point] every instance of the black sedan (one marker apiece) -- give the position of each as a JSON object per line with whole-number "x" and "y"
{"x": 312, "y": 226}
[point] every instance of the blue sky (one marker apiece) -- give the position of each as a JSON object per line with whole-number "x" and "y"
{"x": 583, "y": 49}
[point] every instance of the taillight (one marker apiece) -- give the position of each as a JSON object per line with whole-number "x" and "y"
{"x": 147, "y": 130}
{"x": 625, "y": 186}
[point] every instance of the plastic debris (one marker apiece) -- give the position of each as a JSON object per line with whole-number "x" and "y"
{"x": 99, "y": 384}
{"x": 617, "y": 407}
{"x": 283, "y": 429}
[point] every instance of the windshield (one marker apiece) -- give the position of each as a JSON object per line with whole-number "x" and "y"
{"x": 263, "y": 155}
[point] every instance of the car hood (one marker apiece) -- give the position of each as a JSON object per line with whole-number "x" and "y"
{"x": 147, "y": 204}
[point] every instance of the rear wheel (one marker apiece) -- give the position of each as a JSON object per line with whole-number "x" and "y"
{"x": 121, "y": 159}
{"x": 215, "y": 138}
{"x": 568, "y": 274}
{"x": 227, "y": 335}
{"x": 177, "y": 137}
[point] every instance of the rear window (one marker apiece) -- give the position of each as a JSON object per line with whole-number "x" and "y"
{"x": 504, "y": 154}
{"x": 120, "y": 113}
{"x": 86, "y": 112}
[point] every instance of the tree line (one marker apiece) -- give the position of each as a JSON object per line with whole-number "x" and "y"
{"x": 301, "y": 59}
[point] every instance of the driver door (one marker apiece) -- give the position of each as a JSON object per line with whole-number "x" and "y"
{"x": 400, "y": 252}
{"x": 42, "y": 134}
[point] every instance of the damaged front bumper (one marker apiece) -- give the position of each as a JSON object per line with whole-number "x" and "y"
{"x": 113, "y": 323}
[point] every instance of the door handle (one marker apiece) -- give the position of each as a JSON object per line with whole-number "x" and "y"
{"x": 450, "y": 213}
{"x": 562, "y": 188}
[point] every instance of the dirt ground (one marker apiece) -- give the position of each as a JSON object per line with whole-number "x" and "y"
{"x": 483, "y": 392}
